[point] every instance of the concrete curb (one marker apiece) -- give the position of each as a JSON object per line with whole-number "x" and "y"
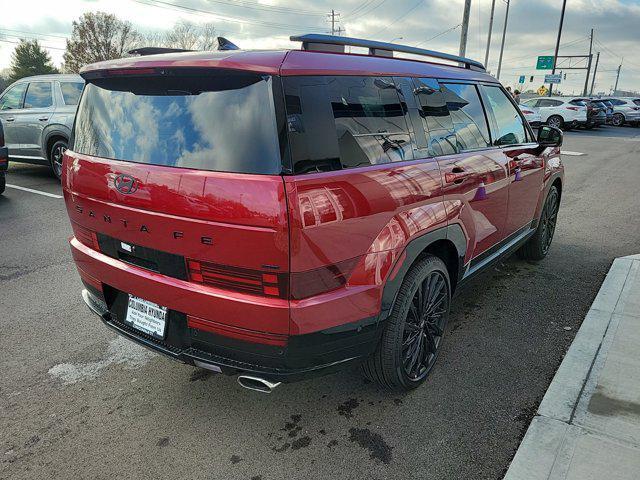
{"x": 549, "y": 448}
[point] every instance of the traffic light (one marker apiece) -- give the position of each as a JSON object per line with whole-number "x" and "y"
{"x": 531, "y": 78}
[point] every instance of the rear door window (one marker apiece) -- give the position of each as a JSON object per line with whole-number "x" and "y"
{"x": 12, "y": 99}
{"x": 467, "y": 114}
{"x": 38, "y": 95}
{"x": 441, "y": 135}
{"x": 345, "y": 122}
{"x": 206, "y": 121}
{"x": 369, "y": 121}
{"x": 71, "y": 92}
{"x": 509, "y": 126}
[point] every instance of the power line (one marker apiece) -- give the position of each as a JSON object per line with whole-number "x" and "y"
{"x": 266, "y": 24}
{"x": 366, "y": 12}
{"x": 274, "y": 8}
{"x": 420, "y": 2}
{"x": 43, "y": 45}
{"x": 438, "y": 35}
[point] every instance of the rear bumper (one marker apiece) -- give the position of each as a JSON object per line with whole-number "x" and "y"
{"x": 294, "y": 357}
{"x": 290, "y": 364}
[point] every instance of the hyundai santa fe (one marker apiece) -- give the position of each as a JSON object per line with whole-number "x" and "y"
{"x": 277, "y": 215}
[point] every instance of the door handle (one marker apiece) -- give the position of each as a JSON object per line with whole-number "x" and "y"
{"x": 10, "y": 119}
{"x": 456, "y": 176}
{"x": 43, "y": 119}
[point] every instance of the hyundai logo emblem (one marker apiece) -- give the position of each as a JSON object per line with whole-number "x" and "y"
{"x": 125, "y": 183}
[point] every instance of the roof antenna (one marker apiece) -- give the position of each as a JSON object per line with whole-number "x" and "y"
{"x": 224, "y": 44}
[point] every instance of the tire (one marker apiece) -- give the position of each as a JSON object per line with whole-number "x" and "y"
{"x": 55, "y": 157}
{"x": 538, "y": 245}
{"x": 412, "y": 337}
{"x": 3, "y": 182}
{"x": 556, "y": 121}
{"x": 618, "y": 120}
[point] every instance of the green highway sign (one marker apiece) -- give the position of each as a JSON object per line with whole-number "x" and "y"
{"x": 545, "y": 62}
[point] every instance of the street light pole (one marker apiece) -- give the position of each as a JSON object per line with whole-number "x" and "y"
{"x": 504, "y": 35}
{"x": 555, "y": 56}
{"x": 595, "y": 71}
{"x": 465, "y": 27}
{"x": 586, "y": 80}
{"x": 486, "y": 55}
{"x": 618, "y": 76}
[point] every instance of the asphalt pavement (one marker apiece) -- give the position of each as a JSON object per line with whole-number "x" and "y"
{"x": 78, "y": 402}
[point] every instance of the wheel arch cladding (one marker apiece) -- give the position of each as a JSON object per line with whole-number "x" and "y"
{"x": 448, "y": 243}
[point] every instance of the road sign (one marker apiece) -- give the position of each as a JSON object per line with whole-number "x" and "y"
{"x": 557, "y": 78}
{"x": 545, "y": 62}
{"x": 542, "y": 91}
{"x": 521, "y": 80}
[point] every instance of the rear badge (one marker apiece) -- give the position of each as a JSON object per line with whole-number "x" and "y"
{"x": 126, "y": 247}
{"x": 125, "y": 184}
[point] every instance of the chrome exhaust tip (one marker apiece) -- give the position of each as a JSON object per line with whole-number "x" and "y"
{"x": 258, "y": 384}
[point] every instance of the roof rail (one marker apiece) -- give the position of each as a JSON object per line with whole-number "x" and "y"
{"x": 155, "y": 50}
{"x": 333, "y": 43}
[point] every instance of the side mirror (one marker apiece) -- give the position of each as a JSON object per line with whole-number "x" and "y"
{"x": 549, "y": 136}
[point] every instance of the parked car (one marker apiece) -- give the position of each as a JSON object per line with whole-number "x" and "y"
{"x": 607, "y": 106}
{"x": 282, "y": 214}
{"x": 625, "y": 110}
{"x": 37, "y": 114}
{"x": 558, "y": 112}
{"x": 596, "y": 113}
{"x": 532, "y": 115}
{"x": 4, "y": 162}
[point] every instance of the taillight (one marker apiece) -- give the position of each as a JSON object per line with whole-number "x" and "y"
{"x": 85, "y": 236}
{"x": 257, "y": 282}
{"x": 527, "y": 112}
{"x": 575, "y": 109}
{"x": 321, "y": 280}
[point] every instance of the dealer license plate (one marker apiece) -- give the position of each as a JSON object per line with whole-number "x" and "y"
{"x": 146, "y": 316}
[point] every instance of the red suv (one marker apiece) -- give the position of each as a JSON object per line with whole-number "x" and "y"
{"x": 282, "y": 214}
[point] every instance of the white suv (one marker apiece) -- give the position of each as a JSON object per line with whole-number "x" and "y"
{"x": 559, "y": 112}
{"x": 625, "y": 110}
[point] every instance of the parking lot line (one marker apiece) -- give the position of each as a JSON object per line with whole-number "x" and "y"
{"x": 46, "y": 194}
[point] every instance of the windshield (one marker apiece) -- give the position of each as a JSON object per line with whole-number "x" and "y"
{"x": 222, "y": 122}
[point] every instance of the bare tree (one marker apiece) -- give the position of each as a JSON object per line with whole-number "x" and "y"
{"x": 190, "y": 36}
{"x": 96, "y": 37}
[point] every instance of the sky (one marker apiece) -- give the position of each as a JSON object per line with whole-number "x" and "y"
{"x": 434, "y": 24}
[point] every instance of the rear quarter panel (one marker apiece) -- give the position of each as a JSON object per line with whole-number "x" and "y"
{"x": 365, "y": 213}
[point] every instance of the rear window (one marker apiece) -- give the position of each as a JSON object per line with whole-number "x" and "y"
{"x": 206, "y": 121}
{"x": 71, "y": 92}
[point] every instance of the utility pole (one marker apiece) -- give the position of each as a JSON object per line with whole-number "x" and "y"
{"x": 333, "y": 16}
{"x": 504, "y": 36}
{"x": 486, "y": 55}
{"x": 555, "y": 56}
{"x": 586, "y": 80}
{"x": 595, "y": 71}
{"x": 618, "y": 77}
{"x": 465, "y": 27}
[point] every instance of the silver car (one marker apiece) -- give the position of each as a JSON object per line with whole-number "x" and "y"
{"x": 625, "y": 110}
{"x": 37, "y": 115}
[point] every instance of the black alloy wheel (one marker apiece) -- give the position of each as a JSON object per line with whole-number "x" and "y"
{"x": 424, "y": 326}
{"x": 413, "y": 332}
{"x": 549, "y": 219}
{"x": 55, "y": 157}
{"x": 538, "y": 245}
